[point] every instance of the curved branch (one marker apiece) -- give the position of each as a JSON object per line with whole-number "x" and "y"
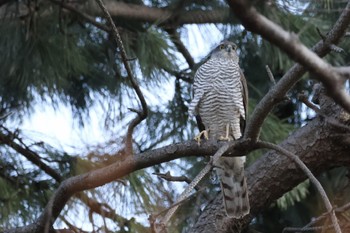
{"x": 311, "y": 177}
{"x": 141, "y": 114}
{"x": 273, "y": 175}
{"x": 288, "y": 42}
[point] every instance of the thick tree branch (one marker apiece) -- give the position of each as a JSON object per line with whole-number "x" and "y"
{"x": 288, "y": 42}
{"x": 162, "y": 16}
{"x": 127, "y": 11}
{"x": 311, "y": 177}
{"x": 273, "y": 174}
{"x": 88, "y": 18}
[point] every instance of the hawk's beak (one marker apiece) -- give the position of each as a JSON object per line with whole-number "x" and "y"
{"x": 229, "y": 48}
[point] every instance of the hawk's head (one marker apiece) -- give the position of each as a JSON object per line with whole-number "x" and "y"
{"x": 226, "y": 49}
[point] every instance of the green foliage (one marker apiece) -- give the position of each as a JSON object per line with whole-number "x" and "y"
{"x": 51, "y": 56}
{"x": 297, "y": 194}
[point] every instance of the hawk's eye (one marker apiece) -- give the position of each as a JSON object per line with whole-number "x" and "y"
{"x": 222, "y": 46}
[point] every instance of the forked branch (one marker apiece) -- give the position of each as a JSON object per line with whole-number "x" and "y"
{"x": 308, "y": 59}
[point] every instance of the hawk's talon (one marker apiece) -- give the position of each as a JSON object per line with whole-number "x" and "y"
{"x": 198, "y": 137}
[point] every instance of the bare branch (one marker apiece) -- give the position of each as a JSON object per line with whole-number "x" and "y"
{"x": 325, "y": 215}
{"x": 303, "y": 98}
{"x": 273, "y": 175}
{"x": 143, "y": 114}
{"x": 344, "y": 70}
{"x": 311, "y": 177}
{"x": 175, "y": 37}
{"x": 163, "y": 16}
{"x": 331, "y": 120}
{"x": 269, "y": 73}
{"x": 289, "y": 43}
{"x": 32, "y": 156}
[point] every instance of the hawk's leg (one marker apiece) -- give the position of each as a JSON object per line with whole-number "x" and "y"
{"x": 198, "y": 137}
{"x": 227, "y": 136}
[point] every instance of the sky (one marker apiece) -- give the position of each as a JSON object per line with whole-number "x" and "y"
{"x": 57, "y": 127}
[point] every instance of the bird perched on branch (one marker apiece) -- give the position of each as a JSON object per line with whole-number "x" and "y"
{"x": 220, "y": 106}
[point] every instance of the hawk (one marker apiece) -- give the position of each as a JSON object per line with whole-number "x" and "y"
{"x": 220, "y": 106}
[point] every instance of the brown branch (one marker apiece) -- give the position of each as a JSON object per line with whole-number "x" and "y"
{"x": 267, "y": 176}
{"x": 186, "y": 193}
{"x": 32, "y": 156}
{"x": 345, "y": 71}
{"x": 88, "y": 18}
{"x": 102, "y": 209}
{"x": 168, "y": 177}
{"x": 272, "y": 175}
{"x": 257, "y": 23}
{"x": 289, "y": 43}
{"x": 162, "y": 16}
{"x": 325, "y": 215}
{"x": 303, "y": 98}
{"x": 311, "y": 177}
{"x": 331, "y": 120}
{"x": 144, "y": 112}
{"x": 269, "y": 73}
{"x": 175, "y": 37}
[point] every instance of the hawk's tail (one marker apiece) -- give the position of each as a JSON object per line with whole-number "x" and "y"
{"x": 234, "y": 186}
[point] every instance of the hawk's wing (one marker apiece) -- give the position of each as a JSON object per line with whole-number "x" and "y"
{"x": 245, "y": 101}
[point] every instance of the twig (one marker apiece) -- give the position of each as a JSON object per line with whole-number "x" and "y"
{"x": 32, "y": 156}
{"x": 298, "y": 229}
{"x": 5, "y": 115}
{"x": 332, "y": 47}
{"x": 303, "y": 98}
{"x": 142, "y": 114}
{"x": 160, "y": 228}
{"x": 324, "y": 215}
{"x": 331, "y": 120}
{"x": 269, "y": 73}
{"x": 181, "y": 47}
{"x": 167, "y": 176}
{"x": 312, "y": 178}
{"x": 195, "y": 181}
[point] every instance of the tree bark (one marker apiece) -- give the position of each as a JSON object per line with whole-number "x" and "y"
{"x": 319, "y": 144}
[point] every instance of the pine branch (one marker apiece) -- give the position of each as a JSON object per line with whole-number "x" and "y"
{"x": 103, "y": 210}
{"x": 88, "y": 18}
{"x": 144, "y": 111}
